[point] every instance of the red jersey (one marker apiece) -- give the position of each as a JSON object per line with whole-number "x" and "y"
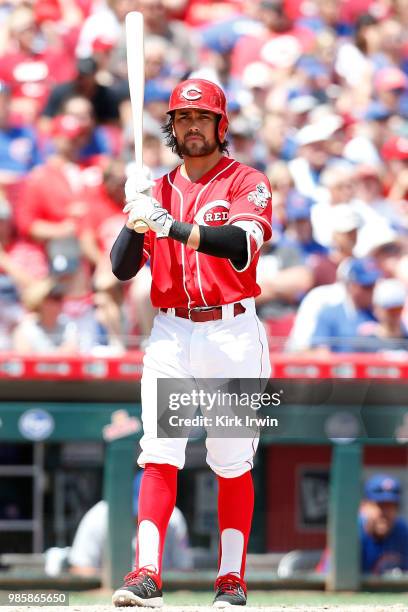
{"x": 33, "y": 75}
{"x": 104, "y": 218}
{"x": 25, "y": 253}
{"x": 52, "y": 192}
{"x": 183, "y": 277}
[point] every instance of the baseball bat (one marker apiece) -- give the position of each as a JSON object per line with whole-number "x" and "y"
{"x": 135, "y": 68}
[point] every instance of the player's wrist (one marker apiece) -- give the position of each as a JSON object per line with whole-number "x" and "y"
{"x": 180, "y": 231}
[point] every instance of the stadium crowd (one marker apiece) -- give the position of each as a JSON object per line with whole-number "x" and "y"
{"x": 318, "y": 100}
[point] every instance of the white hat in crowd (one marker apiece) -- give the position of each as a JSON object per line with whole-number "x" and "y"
{"x": 344, "y": 218}
{"x": 320, "y": 130}
{"x": 374, "y": 240}
{"x": 390, "y": 293}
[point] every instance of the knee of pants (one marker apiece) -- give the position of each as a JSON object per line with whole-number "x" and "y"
{"x": 162, "y": 450}
{"x": 232, "y": 457}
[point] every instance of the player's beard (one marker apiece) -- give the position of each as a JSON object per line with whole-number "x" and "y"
{"x": 197, "y": 148}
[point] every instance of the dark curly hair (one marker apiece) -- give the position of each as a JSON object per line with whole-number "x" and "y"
{"x": 171, "y": 141}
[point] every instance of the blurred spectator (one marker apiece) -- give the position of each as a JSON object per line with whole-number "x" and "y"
{"x": 345, "y": 224}
{"x": 313, "y": 154}
{"x": 390, "y": 332}
{"x": 97, "y": 142}
{"x": 375, "y": 126}
{"x": 86, "y": 556}
{"x": 281, "y": 183}
{"x": 337, "y": 187}
{"x": 110, "y": 21}
{"x": 44, "y": 328}
{"x": 104, "y": 218}
{"x": 204, "y": 12}
{"x": 370, "y": 197}
{"x": 342, "y": 327}
{"x": 386, "y": 248}
{"x": 156, "y": 58}
{"x": 156, "y": 101}
{"x": 299, "y": 231}
{"x": 395, "y": 153}
{"x": 107, "y": 21}
{"x": 391, "y": 87}
{"x": 10, "y": 308}
{"x": 359, "y": 53}
{"x": 392, "y": 39}
{"x": 18, "y": 144}
{"x": 50, "y": 206}
{"x": 95, "y": 311}
{"x": 102, "y": 50}
{"x": 156, "y": 156}
{"x": 287, "y": 268}
{"x": 383, "y": 534}
{"x": 278, "y": 42}
{"x": 142, "y": 312}
{"x": 105, "y": 100}
{"x": 101, "y": 227}
{"x": 243, "y": 143}
{"x": 31, "y": 66}
{"x": 111, "y": 333}
{"x": 15, "y": 275}
{"x": 15, "y": 251}
{"x": 274, "y": 136}
{"x": 315, "y": 301}
{"x": 182, "y": 55}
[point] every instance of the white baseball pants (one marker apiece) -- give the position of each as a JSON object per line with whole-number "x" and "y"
{"x": 234, "y": 347}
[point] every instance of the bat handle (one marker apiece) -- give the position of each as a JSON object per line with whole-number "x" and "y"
{"x": 140, "y": 227}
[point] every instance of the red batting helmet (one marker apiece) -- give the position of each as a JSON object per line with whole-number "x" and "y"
{"x": 200, "y": 93}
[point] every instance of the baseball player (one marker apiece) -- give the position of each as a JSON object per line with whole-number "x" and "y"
{"x": 207, "y": 220}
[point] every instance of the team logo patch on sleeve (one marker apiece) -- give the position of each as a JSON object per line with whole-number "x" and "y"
{"x": 260, "y": 195}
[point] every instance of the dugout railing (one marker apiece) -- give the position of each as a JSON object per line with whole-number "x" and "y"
{"x": 92, "y": 398}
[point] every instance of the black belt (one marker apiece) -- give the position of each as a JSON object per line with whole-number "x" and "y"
{"x": 204, "y": 314}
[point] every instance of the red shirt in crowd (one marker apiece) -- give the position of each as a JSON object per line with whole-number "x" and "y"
{"x": 24, "y": 253}
{"x": 104, "y": 217}
{"x": 52, "y": 192}
{"x": 32, "y": 75}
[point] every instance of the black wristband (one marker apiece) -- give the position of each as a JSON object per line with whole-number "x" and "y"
{"x": 180, "y": 231}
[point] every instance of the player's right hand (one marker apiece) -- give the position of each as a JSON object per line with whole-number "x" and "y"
{"x": 139, "y": 182}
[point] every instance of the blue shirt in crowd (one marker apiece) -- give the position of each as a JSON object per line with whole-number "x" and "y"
{"x": 340, "y": 327}
{"x": 18, "y": 150}
{"x": 379, "y": 556}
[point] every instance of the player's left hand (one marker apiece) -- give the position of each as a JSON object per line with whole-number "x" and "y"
{"x": 148, "y": 209}
{"x": 160, "y": 221}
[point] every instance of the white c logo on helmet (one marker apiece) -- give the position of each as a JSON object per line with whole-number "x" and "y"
{"x": 191, "y": 93}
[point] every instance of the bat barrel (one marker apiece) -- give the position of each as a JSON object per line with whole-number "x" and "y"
{"x": 135, "y": 66}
